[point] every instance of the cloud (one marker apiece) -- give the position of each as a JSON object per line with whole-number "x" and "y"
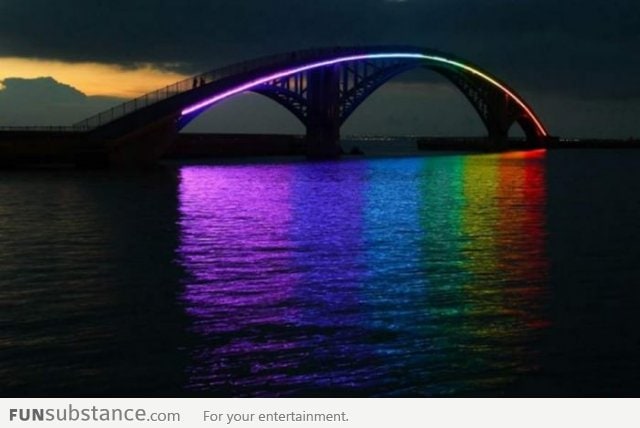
{"x": 32, "y": 90}
{"x": 44, "y": 101}
{"x": 555, "y": 53}
{"x": 537, "y": 44}
{"x": 93, "y": 78}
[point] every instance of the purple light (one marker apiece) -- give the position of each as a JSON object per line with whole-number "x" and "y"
{"x": 289, "y": 72}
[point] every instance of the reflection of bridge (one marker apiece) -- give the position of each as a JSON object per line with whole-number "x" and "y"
{"x": 321, "y": 87}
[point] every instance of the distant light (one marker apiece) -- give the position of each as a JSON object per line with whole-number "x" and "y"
{"x": 296, "y": 70}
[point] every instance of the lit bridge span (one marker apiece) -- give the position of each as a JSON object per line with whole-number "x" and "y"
{"x": 321, "y": 87}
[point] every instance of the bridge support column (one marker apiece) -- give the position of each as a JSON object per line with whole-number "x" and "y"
{"x": 498, "y": 139}
{"x": 323, "y": 115}
{"x": 144, "y": 147}
{"x": 499, "y": 121}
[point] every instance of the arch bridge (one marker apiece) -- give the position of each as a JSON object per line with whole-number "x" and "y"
{"x": 321, "y": 87}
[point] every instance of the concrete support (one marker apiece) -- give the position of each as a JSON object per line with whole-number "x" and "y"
{"x": 323, "y": 116}
{"x": 498, "y": 121}
{"x": 144, "y": 147}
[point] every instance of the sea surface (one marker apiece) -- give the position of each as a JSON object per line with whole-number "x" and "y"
{"x": 443, "y": 274}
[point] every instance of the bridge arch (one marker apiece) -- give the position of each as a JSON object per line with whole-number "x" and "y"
{"x": 249, "y": 112}
{"x": 418, "y": 102}
{"x": 322, "y": 88}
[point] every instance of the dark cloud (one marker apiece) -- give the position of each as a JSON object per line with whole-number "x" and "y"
{"x": 575, "y": 61}
{"x": 31, "y": 90}
{"x": 579, "y": 47}
{"x": 44, "y": 101}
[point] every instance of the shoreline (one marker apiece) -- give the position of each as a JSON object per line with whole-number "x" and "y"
{"x": 20, "y": 149}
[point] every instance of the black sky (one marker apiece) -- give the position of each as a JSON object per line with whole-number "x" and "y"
{"x": 587, "y": 51}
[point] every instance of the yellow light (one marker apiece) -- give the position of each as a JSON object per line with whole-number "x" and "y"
{"x": 92, "y": 78}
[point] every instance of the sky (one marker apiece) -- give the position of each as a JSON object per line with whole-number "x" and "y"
{"x": 576, "y": 62}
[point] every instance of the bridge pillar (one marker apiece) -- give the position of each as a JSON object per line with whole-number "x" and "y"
{"x": 499, "y": 120}
{"x": 323, "y": 114}
{"x": 144, "y": 147}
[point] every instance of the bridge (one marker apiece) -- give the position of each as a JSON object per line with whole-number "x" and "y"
{"x": 320, "y": 87}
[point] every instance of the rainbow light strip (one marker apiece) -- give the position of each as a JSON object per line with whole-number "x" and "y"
{"x": 289, "y": 72}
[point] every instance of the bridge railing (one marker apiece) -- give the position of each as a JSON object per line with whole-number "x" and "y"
{"x": 169, "y": 91}
{"x": 134, "y": 105}
{"x": 183, "y": 86}
{"x": 39, "y": 128}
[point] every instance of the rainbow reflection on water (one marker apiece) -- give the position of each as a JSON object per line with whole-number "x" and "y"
{"x": 410, "y": 276}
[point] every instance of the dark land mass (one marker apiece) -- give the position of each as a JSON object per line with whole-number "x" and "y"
{"x": 59, "y": 148}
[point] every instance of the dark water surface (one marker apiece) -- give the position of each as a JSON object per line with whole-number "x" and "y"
{"x": 452, "y": 275}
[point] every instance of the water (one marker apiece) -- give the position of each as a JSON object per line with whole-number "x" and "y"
{"x": 446, "y": 275}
